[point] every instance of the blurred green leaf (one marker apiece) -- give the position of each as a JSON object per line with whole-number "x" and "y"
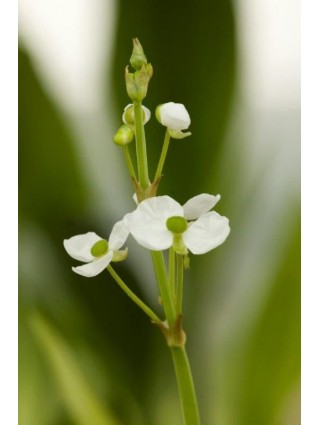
{"x": 76, "y": 393}
{"x": 271, "y": 365}
{"x": 51, "y": 189}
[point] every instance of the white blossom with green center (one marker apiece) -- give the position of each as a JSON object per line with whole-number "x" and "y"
{"x": 161, "y": 222}
{"x": 96, "y": 251}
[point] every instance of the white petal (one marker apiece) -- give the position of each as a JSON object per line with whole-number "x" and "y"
{"x": 149, "y": 233}
{"x": 160, "y": 208}
{"x": 205, "y": 234}
{"x": 147, "y": 114}
{"x": 118, "y": 235}
{"x": 199, "y": 205}
{"x": 95, "y": 267}
{"x": 174, "y": 116}
{"x": 79, "y": 247}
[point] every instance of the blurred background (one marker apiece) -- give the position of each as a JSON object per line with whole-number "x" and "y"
{"x": 88, "y": 356}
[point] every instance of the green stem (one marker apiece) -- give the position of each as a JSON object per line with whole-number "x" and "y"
{"x": 172, "y": 272}
{"x": 179, "y": 283}
{"x": 164, "y": 288}
{"x": 141, "y": 146}
{"x": 186, "y": 387}
{"x": 129, "y": 162}
{"x": 163, "y": 155}
{"x": 133, "y": 296}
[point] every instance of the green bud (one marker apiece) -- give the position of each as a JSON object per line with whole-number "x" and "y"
{"x": 138, "y": 58}
{"x": 123, "y": 136}
{"x": 128, "y": 115}
{"x": 100, "y": 248}
{"x": 177, "y": 224}
{"x": 137, "y": 83}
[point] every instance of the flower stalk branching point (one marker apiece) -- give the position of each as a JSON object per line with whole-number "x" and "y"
{"x": 158, "y": 223}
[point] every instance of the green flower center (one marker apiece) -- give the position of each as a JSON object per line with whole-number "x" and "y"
{"x": 99, "y": 248}
{"x": 177, "y": 224}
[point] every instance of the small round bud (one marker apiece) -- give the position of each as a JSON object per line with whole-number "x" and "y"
{"x": 100, "y": 248}
{"x": 128, "y": 115}
{"x": 177, "y": 224}
{"x": 123, "y": 136}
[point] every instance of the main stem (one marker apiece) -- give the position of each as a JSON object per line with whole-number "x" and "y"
{"x": 186, "y": 387}
{"x": 141, "y": 146}
{"x": 173, "y": 315}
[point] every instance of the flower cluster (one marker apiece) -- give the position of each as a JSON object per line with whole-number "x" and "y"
{"x": 157, "y": 224}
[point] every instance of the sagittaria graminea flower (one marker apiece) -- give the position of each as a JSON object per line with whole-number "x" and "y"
{"x": 97, "y": 252}
{"x": 175, "y": 117}
{"x": 160, "y": 222}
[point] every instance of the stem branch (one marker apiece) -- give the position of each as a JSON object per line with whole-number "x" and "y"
{"x": 129, "y": 162}
{"x": 133, "y": 296}
{"x": 163, "y": 155}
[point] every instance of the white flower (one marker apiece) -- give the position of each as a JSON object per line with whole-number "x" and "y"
{"x": 97, "y": 252}
{"x": 175, "y": 117}
{"x": 160, "y": 222}
{"x": 128, "y": 114}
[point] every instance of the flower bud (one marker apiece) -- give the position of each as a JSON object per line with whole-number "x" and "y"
{"x": 138, "y": 58}
{"x": 173, "y": 116}
{"x": 128, "y": 115}
{"x": 123, "y": 136}
{"x": 137, "y": 82}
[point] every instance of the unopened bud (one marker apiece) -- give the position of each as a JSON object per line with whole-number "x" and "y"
{"x": 128, "y": 115}
{"x": 138, "y": 58}
{"x": 123, "y": 136}
{"x": 137, "y": 83}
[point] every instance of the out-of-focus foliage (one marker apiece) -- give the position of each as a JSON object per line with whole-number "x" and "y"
{"x": 82, "y": 342}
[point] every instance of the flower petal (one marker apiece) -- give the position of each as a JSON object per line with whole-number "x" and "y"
{"x": 147, "y": 223}
{"x": 160, "y": 208}
{"x": 79, "y": 247}
{"x": 149, "y": 233}
{"x": 205, "y": 234}
{"x": 118, "y": 235}
{"x": 95, "y": 267}
{"x": 199, "y": 205}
